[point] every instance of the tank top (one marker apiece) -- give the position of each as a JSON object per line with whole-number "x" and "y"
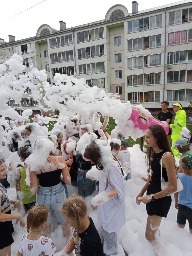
{"x": 49, "y": 179}
{"x": 155, "y": 183}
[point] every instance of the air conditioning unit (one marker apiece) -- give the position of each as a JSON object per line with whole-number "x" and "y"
{"x": 169, "y": 66}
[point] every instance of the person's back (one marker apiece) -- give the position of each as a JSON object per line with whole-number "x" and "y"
{"x": 34, "y": 243}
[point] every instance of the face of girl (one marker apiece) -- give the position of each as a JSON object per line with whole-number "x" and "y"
{"x": 150, "y": 139}
{"x": 3, "y": 170}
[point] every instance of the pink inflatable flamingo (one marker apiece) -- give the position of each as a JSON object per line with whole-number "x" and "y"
{"x": 143, "y": 122}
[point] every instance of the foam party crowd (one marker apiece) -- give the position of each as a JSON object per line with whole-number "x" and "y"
{"x": 68, "y": 187}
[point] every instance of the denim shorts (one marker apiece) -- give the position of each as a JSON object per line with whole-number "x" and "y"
{"x": 52, "y": 197}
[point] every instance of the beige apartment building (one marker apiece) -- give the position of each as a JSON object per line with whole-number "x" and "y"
{"x": 144, "y": 56}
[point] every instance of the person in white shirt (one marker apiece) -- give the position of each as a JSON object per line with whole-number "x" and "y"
{"x": 34, "y": 243}
{"x": 124, "y": 158}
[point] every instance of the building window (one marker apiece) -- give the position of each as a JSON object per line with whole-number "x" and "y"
{"x": 135, "y": 80}
{"x": 154, "y": 96}
{"x": 24, "y": 48}
{"x": 118, "y": 74}
{"x": 175, "y": 17}
{"x": 176, "y": 95}
{"x": 134, "y": 97}
{"x": 190, "y": 35}
{"x": 155, "y": 60}
{"x": 188, "y": 94}
{"x": 155, "y": 21}
{"x": 177, "y": 57}
{"x": 176, "y": 76}
{"x": 179, "y": 37}
{"x": 47, "y": 67}
{"x": 117, "y": 40}
{"x": 152, "y": 78}
{"x": 118, "y": 57}
{"x": 189, "y": 76}
{"x": 119, "y": 89}
{"x": 46, "y": 54}
{"x": 154, "y": 41}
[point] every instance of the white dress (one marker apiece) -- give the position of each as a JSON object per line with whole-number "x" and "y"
{"x": 111, "y": 214}
{"x": 43, "y": 246}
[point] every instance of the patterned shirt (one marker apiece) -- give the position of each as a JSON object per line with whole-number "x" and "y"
{"x": 4, "y": 198}
{"x": 43, "y": 246}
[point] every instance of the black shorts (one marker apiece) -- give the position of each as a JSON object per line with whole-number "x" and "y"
{"x": 6, "y": 230}
{"x": 184, "y": 213}
{"x": 159, "y": 207}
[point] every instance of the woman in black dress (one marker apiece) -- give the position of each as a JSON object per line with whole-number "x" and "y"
{"x": 157, "y": 201}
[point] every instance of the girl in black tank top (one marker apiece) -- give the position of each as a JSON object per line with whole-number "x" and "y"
{"x": 157, "y": 201}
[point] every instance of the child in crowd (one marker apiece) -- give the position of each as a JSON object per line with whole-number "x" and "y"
{"x": 28, "y": 199}
{"x": 183, "y": 146}
{"x": 124, "y": 158}
{"x": 183, "y": 199}
{"x": 34, "y": 243}
{"x": 85, "y": 240}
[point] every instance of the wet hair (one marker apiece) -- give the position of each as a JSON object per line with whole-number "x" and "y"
{"x": 92, "y": 152}
{"x": 24, "y": 152}
{"x": 161, "y": 139}
{"x": 165, "y": 102}
{"x": 75, "y": 207}
{"x": 29, "y": 127}
{"x": 37, "y": 215}
{"x": 114, "y": 146}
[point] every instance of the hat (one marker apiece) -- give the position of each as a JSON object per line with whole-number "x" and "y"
{"x": 182, "y": 142}
{"x": 124, "y": 143}
{"x": 187, "y": 160}
{"x": 178, "y": 105}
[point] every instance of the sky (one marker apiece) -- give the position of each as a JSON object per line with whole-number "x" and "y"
{"x": 19, "y": 19}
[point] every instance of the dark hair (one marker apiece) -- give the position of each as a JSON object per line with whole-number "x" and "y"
{"x": 161, "y": 137}
{"x": 29, "y": 127}
{"x": 75, "y": 207}
{"x": 24, "y": 152}
{"x": 92, "y": 152}
{"x": 165, "y": 102}
{"x": 37, "y": 215}
{"x": 114, "y": 146}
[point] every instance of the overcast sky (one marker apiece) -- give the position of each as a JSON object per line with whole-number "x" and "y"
{"x": 16, "y": 20}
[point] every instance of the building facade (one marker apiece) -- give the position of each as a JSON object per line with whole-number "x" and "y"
{"x": 145, "y": 57}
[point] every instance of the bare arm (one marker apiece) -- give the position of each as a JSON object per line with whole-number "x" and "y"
{"x": 65, "y": 171}
{"x": 19, "y": 254}
{"x": 169, "y": 162}
{"x": 70, "y": 246}
{"x": 142, "y": 192}
{"x": 33, "y": 182}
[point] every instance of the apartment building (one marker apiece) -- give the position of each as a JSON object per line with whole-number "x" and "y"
{"x": 144, "y": 56}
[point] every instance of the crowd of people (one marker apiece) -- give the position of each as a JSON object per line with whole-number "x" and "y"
{"x": 41, "y": 164}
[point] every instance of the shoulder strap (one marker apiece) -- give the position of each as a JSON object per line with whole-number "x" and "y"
{"x": 161, "y": 163}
